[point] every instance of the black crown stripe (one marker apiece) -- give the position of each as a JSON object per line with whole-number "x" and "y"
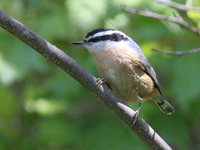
{"x": 111, "y": 37}
{"x": 98, "y": 31}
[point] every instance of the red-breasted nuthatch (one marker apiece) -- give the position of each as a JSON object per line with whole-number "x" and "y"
{"x": 123, "y": 66}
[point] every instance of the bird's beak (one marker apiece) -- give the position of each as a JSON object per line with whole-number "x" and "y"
{"x": 78, "y": 42}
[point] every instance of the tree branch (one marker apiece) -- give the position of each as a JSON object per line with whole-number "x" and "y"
{"x": 58, "y": 57}
{"x": 178, "y": 6}
{"x": 177, "y": 19}
{"x": 176, "y": 53}
{"x": 182, "y": 10}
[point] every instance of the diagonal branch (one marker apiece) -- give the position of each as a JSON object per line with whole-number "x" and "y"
{"x": 58, "y": 57}
{"x": 177, "y": 19}
{"x": 182, "y": 10}
{"x": 176, "y": 53}
{"x": 174, "y": 19}
{"x": 178, "y": 6}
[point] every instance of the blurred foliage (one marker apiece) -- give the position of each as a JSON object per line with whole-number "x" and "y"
{"x": 41, "y": 107}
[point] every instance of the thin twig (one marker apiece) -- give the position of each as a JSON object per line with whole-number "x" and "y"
{"x": 182, "y": 10}
{"x": 58, "y": 57}
{"x": 174, "y": 19}
{"x": 176, "y": 53}
{"x": 179, "y": 6}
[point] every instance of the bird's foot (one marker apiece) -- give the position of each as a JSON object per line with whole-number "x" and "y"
{"x": 137, "y": 112}
{"x": 140, "y": 99}
{"x": 136, "y": 116}
{"x": 99, "y": 82}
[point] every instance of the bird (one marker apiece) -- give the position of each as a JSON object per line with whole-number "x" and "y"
{"x": 124, "y": 68}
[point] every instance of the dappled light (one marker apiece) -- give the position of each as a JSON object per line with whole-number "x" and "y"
{"x": 42, "y": 107}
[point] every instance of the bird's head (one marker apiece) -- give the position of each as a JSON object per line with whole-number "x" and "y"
{"x": 100, "y": 39}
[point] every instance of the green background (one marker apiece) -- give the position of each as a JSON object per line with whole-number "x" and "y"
{"x": 42, "y": 107}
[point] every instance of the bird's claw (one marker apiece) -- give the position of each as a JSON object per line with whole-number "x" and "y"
{"x": 99, "y": 82}
{"x": 135, "y": 117}
{"x": 137, "y": 112}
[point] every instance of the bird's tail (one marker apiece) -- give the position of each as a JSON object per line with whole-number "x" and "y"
{"x": 164, "y": 105}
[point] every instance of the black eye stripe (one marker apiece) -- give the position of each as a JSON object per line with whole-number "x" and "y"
{"x": 111, "y": 37}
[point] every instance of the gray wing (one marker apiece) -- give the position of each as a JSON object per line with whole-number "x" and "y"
{"x": 148, "y": 69}
{"x": 145, "y": 66}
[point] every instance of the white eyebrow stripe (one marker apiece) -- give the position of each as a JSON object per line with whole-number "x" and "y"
{"x": 106, "y": 33}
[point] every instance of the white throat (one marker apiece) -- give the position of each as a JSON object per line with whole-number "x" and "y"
{"x": 104, "y": 46}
